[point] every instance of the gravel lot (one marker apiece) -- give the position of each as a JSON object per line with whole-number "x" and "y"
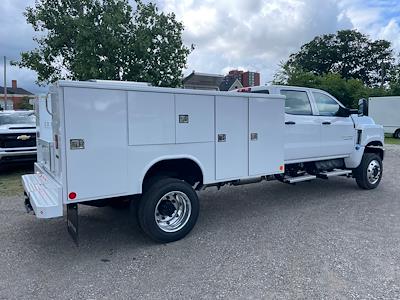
{"x": 322, "y": 239}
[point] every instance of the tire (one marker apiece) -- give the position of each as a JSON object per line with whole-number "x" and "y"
{"x": 396, "y": 135}
{"x": 369, "y": 173}
{"x": 168, "y": 210}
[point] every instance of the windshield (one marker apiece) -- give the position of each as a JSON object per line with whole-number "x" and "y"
{"x": 18, "y": 118}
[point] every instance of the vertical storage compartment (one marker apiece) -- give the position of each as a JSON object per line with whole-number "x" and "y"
{"x": 96, "y": 142}
{"x": 266, "y": 138}
{"x": 231, "y": 115}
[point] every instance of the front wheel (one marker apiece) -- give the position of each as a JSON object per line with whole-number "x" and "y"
{"x": 168, "y": 210}
{"x": 396, "y": 135}
{"x": 369, "y": 173}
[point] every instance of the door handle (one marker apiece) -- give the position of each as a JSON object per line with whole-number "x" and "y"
{"x": 290, "y": 123}
{"x": 326, "y": 123}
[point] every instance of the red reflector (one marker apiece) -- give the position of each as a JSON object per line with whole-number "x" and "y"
{"x": 72, "y": 195}
{"x": 281, "y": 168}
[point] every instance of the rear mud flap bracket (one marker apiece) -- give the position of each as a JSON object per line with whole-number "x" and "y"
{"x": 72, "y": 222}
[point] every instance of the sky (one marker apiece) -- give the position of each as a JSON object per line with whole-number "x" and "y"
{"x": 251, "y": 35}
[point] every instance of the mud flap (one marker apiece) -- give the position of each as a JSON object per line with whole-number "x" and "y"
{"x": 72, "y": 222}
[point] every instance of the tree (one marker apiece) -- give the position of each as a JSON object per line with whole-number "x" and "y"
{"x": 348, "y": 53}
{"x": 105, "y": 39}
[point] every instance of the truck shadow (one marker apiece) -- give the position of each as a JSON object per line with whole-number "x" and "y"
{"x": 224, "y": 210}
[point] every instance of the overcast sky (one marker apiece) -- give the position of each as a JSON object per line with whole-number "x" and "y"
{"x": 253, "y": 34}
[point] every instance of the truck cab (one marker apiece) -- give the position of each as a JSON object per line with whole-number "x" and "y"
{"x": 320, "y": 128}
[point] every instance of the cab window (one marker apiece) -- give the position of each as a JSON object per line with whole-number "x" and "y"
{"x": 297, "y": 102}
{"x": 325, "y": 104}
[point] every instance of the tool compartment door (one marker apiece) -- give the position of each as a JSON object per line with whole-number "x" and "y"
{"x": 231, "y": 137}
{"x": 266, "y": 135}
{"x": 96, "y": 118}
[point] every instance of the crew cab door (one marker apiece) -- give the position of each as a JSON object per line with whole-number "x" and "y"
{"x": 337, "y": 133}
{"x": 302, "y": 127}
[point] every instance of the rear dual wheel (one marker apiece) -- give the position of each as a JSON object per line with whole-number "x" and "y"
{"x": 168, "y": 210}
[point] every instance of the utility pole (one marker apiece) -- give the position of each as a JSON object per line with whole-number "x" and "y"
{"x": 5, "y": 82}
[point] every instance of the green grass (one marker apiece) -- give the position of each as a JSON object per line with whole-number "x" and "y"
{"x": 10, "y": 182}
{"x": 393, "y": 141}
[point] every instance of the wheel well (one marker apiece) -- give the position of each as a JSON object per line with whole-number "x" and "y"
{"x": 183, "y": 168}
{"x": 375, "y": 147}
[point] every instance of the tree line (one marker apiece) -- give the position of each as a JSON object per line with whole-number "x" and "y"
{"x": 111, "y": 39}
{"x": 348, "y": 64}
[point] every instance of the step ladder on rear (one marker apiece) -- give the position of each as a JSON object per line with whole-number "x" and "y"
{"x": 43, "y": 195}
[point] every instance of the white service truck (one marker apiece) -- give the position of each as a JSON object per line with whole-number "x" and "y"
{"x": 386, "y": 111}
{"x": 113, "y": 141}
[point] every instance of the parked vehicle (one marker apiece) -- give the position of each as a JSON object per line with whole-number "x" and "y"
{"x": 17, "y": 137}
{"x": 162, "y": 145}
{"x": 386, "y": 111}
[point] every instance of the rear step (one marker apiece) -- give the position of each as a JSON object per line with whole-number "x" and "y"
{"x": 323, "y": 175}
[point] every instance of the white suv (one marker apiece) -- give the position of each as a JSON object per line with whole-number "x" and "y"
{"x": 17, "y": 137}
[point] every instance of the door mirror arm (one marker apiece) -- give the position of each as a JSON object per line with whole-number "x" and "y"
{"x": 345, "y": 112}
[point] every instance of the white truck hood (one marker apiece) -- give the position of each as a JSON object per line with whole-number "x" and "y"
{"x": 370, "y": 130}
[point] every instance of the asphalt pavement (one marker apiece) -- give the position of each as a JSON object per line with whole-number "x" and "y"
{"x": 324, "y": 239}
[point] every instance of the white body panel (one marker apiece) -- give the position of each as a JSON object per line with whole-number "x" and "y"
{"x": 123, "y": 130}
{"x": 200, "y": 126}
{"x": 386, "y": 112}
{"x": 264, "y": 120}
{"x": 99, "y": 118}
{"x": 232, "y": 154}
{"x": 302, "y": 139}
{"x": 337, "y": 137}
{"x": 151, "y": 118}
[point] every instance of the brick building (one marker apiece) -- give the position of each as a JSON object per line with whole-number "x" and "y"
{"x": 247, "y": 78}
{"x": 17, "y": 97}
{"x": 250, "y": 79}
{"x": 233, "y": 80}
{"x": 202, "y": 81}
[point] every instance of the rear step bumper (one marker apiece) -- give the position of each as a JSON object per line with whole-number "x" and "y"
{"x": 44, "y": 195}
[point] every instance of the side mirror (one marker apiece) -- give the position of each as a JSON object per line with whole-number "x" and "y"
{"x": 363, "y": 107}
{"x": 346, "y": 112}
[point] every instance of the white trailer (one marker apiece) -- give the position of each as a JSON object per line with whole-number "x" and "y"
{"x": 386, "y": 111}
{"x": 115, "y": 141}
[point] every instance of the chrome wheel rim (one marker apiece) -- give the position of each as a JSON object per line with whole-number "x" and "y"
{"x": 374, "y": 172}
{"x": 173, "y": 211}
